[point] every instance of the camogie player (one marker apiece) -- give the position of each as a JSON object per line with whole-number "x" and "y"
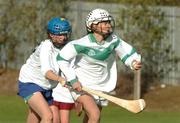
{"x": 40, "y": 74}
{"x": 95, "y": 62}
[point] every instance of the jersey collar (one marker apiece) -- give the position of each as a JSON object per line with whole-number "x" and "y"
{"x": 92, "y": 38}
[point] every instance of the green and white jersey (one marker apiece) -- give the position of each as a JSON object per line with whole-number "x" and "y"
{"x": 95, "y": 64}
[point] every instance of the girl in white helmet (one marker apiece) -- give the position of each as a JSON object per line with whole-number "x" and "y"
{"x": 95, "y": 65}
{"x": 40, "y": 74}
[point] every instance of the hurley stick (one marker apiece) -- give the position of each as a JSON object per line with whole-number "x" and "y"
{"x": 134, "y": 106}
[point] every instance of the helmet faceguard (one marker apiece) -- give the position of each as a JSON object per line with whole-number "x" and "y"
{"x": 96, "y": 16}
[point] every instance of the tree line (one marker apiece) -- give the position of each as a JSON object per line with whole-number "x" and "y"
{"x": 22, "y": 25}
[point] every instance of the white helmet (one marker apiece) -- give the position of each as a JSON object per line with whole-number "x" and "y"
{"x": 96, "y": 16}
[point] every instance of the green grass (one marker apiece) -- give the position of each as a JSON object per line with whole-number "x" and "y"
{"x": 13, "y": 110}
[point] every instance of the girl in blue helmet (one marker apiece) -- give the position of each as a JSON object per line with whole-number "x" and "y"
{"x": 95, "y": 62}
{"x": 40, "y": 74}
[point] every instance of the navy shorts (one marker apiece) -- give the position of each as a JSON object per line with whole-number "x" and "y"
{"x": 26, "y": 91}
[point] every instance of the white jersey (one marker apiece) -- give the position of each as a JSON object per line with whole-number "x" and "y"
{"x": 95, "y": 64}
{"x": 62, "y": 94}
{"x": 36, "y": 66}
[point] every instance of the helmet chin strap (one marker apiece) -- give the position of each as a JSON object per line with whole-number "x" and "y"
{"x": 58, "y": 45}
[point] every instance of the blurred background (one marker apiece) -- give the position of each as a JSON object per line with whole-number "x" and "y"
{"x": 151, "y": 26}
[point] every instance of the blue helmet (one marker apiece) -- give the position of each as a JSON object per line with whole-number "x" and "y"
{"x": 59, "y": 26}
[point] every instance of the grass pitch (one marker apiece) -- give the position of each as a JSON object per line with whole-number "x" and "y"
{"x": 14, "y": 110}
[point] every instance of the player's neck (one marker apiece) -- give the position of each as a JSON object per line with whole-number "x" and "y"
{"x": 98, "y": 37}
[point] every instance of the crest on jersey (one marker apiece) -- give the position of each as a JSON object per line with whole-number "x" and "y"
{"x": 91, "y": 52}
